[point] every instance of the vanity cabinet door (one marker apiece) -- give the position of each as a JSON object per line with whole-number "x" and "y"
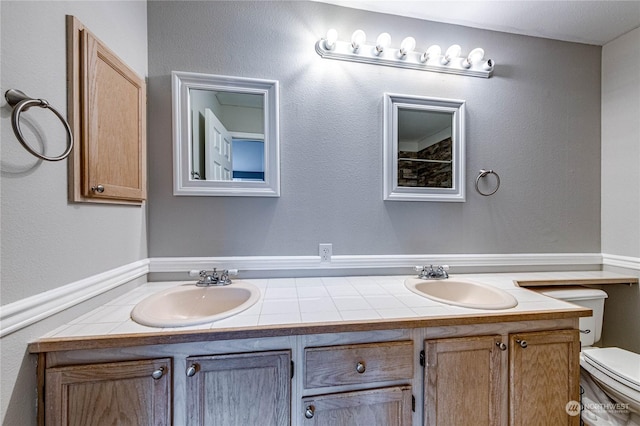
{"x": 463, "y": 381}
{"x": 544, "y": 377}
{"x": 374, "y": 407}
{"x": 131, "y": 393}
{"x": 239, "y": 389}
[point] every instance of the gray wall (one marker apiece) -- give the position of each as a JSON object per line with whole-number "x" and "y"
{"x": 47, "y": 242}
{"x": 621, "y": 183}
{"x": 536, "y": 122}
{"x": 621, "y": 146}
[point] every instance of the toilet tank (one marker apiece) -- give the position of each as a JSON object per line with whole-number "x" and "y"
{"x": 590, "y": 298}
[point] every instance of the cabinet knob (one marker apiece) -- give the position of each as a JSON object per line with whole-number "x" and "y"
{"x": 192, "y": 370}
{"x": 98, "y": 188}
{"x": 522, "y": 343}
{"x": 360, "y": 367}
{"x": 501, "y": 345}
{"x": 157, "y": 374}
{"x": 309, "y": 411}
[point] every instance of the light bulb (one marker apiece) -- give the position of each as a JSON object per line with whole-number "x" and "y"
{"x": 488, "y": 66}
{"x": 452, "y": 52}
{"x": 357, "y": 38}
{"x": 433, "y": 51}
{"x": 330, "y": 41}
{"x": 475, "y": 56}
{"x": 407, "y": 45}
{"x": 383, "y": 41}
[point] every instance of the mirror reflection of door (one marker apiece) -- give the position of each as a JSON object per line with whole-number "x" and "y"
{"x": 425, "y": 148}
{"x": 227, "y": 136}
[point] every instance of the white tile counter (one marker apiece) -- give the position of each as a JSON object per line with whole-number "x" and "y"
{"x": 333, "y": 300}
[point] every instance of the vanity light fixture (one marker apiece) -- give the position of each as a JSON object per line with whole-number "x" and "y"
{"x": 380, "y": 53}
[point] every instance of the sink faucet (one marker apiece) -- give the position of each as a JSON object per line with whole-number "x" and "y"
{"x": 211, "y": 278}
{"x": 432, "y": 273}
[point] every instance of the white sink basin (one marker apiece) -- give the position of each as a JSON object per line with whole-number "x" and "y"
{"x": 191, "y": 305}
{"x": 464, "y": 293}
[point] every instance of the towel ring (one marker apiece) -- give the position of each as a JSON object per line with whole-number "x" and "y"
{"x": 484, "y": 173}
{"x": 21, "y": 102}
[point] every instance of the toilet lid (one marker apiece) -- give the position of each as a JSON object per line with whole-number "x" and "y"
{"x": 622, "y": 365}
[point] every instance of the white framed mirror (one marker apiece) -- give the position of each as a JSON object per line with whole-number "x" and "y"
{"x": 424, "y": 148}
{"x": 225, "y": 135}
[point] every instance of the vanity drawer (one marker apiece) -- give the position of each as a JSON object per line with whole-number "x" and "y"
{"x": 356, "y": 364}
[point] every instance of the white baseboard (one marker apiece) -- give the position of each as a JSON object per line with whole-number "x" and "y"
{"x": 626, "y": 262}
{"x": 24, "y": 312}
{"x": 372, "y": 262}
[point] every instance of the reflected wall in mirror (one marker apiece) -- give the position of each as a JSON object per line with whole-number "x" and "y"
{"x": 423, "y": 148}
{"x": 225, "y": 135}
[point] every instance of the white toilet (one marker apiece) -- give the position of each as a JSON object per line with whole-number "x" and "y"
{"x": 609, "y": 377}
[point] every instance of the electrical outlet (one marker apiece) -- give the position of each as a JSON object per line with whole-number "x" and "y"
{"x": 325, "y": 250}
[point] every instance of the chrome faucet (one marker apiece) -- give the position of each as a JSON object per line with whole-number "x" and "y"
{"x": 211, "y": 278}
{"x": 432, "y": 273}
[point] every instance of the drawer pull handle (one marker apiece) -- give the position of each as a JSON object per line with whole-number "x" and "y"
{"x": 360, "y": 367}
{"x": 522, "y": 343}
{"x": 309, "y": 411}
{"x": 192, "y": 370}
{"x": 501, "y": 346}
{"x": 157, "y": 374}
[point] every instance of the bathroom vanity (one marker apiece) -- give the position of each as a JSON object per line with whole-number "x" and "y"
{"x": 444, "y": 366}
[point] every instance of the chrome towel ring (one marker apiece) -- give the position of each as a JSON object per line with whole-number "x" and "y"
{"x": 21, "y": 102}
{"x": 484, "y": 173}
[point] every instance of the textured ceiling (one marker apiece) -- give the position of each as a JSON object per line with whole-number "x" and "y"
{"x": 590, "y": 22}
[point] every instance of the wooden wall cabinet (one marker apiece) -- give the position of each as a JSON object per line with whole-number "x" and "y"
{"x": 107, "y": 112}
{"x": 466, "y": 379}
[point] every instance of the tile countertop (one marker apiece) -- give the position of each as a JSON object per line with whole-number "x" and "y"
{"x": 327, "y": 304}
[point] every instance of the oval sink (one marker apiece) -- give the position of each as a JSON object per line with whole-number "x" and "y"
{"x": 191, "y": 305}
{"x": 463, "y": 293}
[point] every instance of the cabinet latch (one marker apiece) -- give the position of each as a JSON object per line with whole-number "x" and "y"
{"x": 292, "y": 369}
{"x": 422, "y": 358}
{"x": 413, "y": 403}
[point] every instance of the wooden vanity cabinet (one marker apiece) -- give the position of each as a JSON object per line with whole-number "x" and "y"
{"x": 509, "y": 373}
{"x": 485, "y": 381}
{"x": 463, "y": 381}
{"x": 239, "y": 389}
{"x": 382, "y": 407}
{"x": 350, "y": 384}
{"x": 124, "y": 393}
{"x": 544, "y": 375}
